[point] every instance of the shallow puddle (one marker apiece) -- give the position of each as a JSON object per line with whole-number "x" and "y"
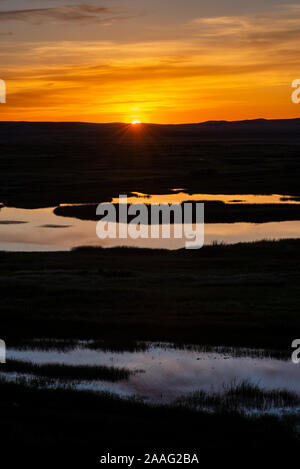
{"x": 162, "y": 373}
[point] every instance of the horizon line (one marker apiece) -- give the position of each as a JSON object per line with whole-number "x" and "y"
{"x": 261, "y": 119}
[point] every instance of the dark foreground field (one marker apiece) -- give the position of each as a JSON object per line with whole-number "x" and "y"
{"x": 39, "y": 426}
{"x": 244, "y": 295}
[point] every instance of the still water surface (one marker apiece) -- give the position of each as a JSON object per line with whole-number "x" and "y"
{"x": 42, "y": 230}
{"x": 162, "y": 373}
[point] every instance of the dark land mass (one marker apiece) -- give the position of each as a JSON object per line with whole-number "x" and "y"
{"x": 243, "y": 295}
{"x": 214, "y": 212}
{"x": 45, "y": 164}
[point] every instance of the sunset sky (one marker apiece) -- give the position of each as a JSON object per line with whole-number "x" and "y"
{"x": 163, "y": 61}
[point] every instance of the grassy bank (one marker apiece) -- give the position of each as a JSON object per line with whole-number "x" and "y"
{"x": 68, "y": 424}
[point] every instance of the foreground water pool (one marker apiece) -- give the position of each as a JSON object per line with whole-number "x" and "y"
{"x": 162, "y": 373}
{"x": 43, "y": 230}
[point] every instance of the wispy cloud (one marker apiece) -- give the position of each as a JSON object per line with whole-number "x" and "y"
{"x": 215, "y": 67}
{"x": 80, "y": 14}
{"x": 276, "y": 26}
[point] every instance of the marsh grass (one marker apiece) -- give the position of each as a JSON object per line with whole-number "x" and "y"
{"x": 119, "y": 346}
{"x": 44, "y": 344}
{"x": 67, "y": 345}
{"x": 49, "y": 421}
{"x": 240, "y": 397}
{"x": 231, "y": 352}
{"x": 68, "y": 372}
{"x": 246, "y": 295}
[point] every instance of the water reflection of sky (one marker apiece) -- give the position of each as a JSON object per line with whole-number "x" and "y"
{"x": 163, "y": 373}
{"x": 42, "y": 230}
{"x": 179, "y": 196}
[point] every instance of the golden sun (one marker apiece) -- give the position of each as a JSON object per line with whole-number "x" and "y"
{"x": 135, "y": 122}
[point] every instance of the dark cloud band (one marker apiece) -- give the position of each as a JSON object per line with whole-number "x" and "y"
{"x": 71, "y": 13}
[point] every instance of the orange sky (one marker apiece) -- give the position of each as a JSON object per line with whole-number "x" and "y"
{"x": 119, "y": 61}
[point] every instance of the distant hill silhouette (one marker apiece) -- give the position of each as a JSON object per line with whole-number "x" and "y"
{"x": 255, "y": 127}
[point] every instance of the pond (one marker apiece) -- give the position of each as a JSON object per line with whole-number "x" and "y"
{"x": 162, "y": 372}
{"x": 43, "y": 230}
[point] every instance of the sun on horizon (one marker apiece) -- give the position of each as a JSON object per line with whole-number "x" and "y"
{"x": 186, "y": 62}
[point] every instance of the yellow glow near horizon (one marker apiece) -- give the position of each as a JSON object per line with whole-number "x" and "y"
{"x": 208, "y": 68}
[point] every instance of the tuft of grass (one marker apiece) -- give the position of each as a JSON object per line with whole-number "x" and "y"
{"x": 240, "y": 397}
